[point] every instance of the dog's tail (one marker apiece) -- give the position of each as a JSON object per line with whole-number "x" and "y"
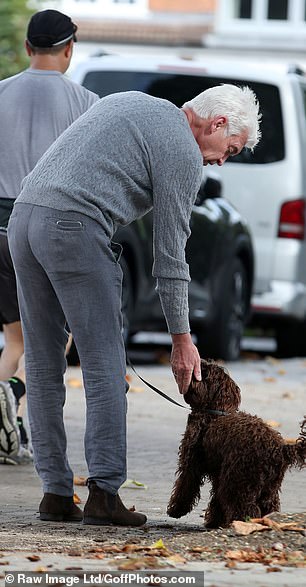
{"x": 295, "y": 454}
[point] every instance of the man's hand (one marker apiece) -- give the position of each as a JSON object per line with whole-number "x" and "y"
{"x": 185, "y": 361}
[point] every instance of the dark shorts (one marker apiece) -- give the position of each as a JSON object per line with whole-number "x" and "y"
{"x": 9, "y": 311}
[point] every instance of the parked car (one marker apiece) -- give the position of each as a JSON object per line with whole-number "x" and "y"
{"x": 268, "y": 187}
{"x": 219, "y": 251}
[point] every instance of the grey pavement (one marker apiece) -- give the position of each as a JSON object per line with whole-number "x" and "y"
{"x": 274, "y": 390}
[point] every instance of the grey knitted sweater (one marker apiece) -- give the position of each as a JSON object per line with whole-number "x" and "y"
{"x": 127, "y": 154}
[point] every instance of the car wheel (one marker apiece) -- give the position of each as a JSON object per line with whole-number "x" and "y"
{"x": 222, "y": 339}
{"x": 127, "y": 298}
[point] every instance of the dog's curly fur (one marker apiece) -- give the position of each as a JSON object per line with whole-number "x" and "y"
{"x": 244, "y": 459}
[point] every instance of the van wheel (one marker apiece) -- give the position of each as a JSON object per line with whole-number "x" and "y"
{"x": 222, "y": 339}
{"x": 290, "y": 339}
{"x": 127, "y": 298}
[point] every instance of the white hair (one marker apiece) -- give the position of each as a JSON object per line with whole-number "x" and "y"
{"x": 238, "y": 104}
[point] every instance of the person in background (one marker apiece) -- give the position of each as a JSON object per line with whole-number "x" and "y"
{"x": 36, "y": 106}
{"x": 128, "y": 154}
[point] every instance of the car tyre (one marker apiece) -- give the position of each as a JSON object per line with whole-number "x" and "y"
{"x": 291, "y": 339}
{"x": 222, "y": 339}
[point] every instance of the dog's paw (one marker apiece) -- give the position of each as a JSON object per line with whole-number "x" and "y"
{"x": 174, "y": 512}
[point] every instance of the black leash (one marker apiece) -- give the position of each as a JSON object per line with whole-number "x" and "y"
{"x": 164, "y": 395}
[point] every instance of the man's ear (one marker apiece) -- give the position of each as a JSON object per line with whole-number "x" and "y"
{"x": 218, "y": 122}
{"x": 27, "y": 48}
{"x": 68, "y": 49}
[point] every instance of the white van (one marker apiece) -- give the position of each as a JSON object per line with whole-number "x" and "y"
{"x": 268, "y": 187}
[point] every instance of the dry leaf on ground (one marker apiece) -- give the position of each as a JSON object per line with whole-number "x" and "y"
{"x": 79, "y": 480}
{"x": 245, "y": 528}
{"x": 76, "y": 498}
{"x": 75, "y": 383}
{"x": 272, "y": 423}
{"x": 147, "y": 562}
{"x": 133, "y": 484}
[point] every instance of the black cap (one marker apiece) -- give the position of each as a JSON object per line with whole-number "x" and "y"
{"x": 49, "y": 28}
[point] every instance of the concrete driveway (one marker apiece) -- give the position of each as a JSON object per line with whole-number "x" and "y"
{"x": 274, "y": 390}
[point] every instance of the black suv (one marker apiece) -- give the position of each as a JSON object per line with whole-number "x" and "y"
{"x": 219, "y": 251}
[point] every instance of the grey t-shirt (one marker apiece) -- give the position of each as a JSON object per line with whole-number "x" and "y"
{"x": 128, "y": 154}
{"x": 36, "y": 106}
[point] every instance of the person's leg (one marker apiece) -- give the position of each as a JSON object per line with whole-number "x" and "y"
{"x": 12, "y": 350}
{"x": 9, "y": 313}
{"x": 45, "y": 340}
{"x": 13, "y": 436}
{"x": 86, "y": 278}
{"x": 80, "y": 277}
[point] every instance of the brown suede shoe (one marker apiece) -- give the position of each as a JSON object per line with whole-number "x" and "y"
{"x": 103, "y": 509}
{"x": 58, "y": 508}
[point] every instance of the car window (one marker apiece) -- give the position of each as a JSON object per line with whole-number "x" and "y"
{"x": 179, "y": 88}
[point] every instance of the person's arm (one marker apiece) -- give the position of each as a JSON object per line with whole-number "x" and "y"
{"x": 176, "y": 182}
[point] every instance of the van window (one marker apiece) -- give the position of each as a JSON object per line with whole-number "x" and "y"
{"x": 179, "y": 88}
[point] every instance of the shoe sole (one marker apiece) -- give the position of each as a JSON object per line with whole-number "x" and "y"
{"x": 104, "y": 522}
{"x": 9, "y": 433}
{"x": 57, "y": 518}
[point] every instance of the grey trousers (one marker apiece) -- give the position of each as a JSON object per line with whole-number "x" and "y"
{"x": 66, "y": 270}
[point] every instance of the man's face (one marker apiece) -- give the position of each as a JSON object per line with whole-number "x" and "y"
{"x": 216, "y": 147}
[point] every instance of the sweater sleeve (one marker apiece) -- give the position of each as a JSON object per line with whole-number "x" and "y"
{"x": 175, "y": 186}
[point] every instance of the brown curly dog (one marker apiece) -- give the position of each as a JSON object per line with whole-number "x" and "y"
{"x": 243, "y": 458}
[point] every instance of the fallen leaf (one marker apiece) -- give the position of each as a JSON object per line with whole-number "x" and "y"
{"x": 135, "y": 389}
{"x": 245, "y": 528}
{"x": 199, "y": 549}
{"x": 266, "y": 521}
{"x": 287, "y": 395}
{"x": 272, "y": 423}
{"x": 111, "y": 548}
{"x": 79, "y": 480}
{"x": 2, "y": 563}
{"x": 292, "y": 527}
{"x": 176, "y": 558}
{"x": 270, "y": 379}
{"x": 139, "y": 563}
{"x": 281, "y": 371}
{"x": 75, "y": 553}
{"x": 76, "y": 498}
{"x": 158, "y": 544}
{"x": 133, "y": 548}
{"x": 272, "y": 360}
{"x": 128, "y": 378}
{"x": 231, "y": 564}
{"x": 33, "y": 558}
{"x": 273, "y": 570}
{"x": 41, "y": 570}
{"x": 75, "y": 383}
{"x": 133, "y": 484}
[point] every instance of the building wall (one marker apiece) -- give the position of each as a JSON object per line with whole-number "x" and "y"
{"x": 182, "y": 5}
{"x": 258, "y": 30}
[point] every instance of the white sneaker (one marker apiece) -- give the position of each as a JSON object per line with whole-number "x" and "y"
{"x": 23, "y": 457}
{"x": 9, "y": 430}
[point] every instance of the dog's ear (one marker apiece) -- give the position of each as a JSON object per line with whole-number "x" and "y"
{"x": 192, "y": 392}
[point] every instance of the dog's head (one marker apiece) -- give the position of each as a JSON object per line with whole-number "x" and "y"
{"x": 216, "y": 391}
